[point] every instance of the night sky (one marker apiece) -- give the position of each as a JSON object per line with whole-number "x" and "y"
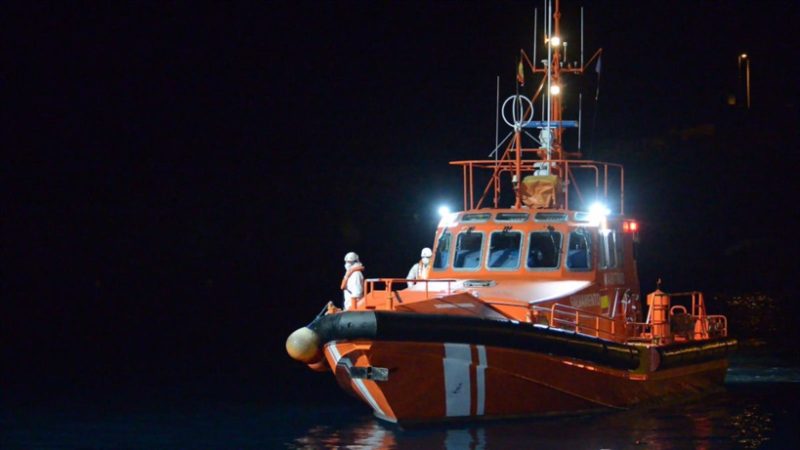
{"x": 182, "y": 180}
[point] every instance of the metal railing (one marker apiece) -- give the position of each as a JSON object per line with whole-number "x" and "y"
{"x": 710, "y": 326}
{"x": 380, "y": 293}
{"x": 570, "y": 318}
{"x": 717, "y": 326}
{"x": 372, "y": 290}
{"x": 566, "y": 172}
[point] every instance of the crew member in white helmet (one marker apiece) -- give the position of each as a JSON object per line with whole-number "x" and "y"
{"x": 421, "y": 269}
{"x": 353, "y": 281}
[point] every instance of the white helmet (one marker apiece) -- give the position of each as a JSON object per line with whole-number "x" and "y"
{"x": 426, "y": 253}
{"x": 351, "y": 257}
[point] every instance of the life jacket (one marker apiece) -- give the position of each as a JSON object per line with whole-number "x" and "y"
{"x": 423, "y": 271}
{"x": 350, "y": 271}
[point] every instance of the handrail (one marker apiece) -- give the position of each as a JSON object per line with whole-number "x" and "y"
{"x": 566, "y": 176}
{"x": 369, "y": 288}
{"x": 576, "y": 323}
{"x": 562, "y": 316}
{"x": 713, "y": 320}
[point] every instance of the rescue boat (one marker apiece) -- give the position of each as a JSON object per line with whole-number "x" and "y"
{"x": 532, "y": 305}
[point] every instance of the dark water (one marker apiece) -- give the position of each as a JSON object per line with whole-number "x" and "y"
{"x": 759, "y": 409}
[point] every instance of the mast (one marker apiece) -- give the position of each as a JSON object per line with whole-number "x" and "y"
{"x": 556, "y": 76}
{"x": 550, "y": 165}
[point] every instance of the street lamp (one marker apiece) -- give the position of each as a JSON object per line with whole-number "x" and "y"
{"x": 743, "y": 57}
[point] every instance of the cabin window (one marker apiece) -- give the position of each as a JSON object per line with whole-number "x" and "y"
{"x": 579, "y": 256}
{"x": 442, "y": 257}
{"x": 468, "y": 250}
{"x": 475, "y": 217}
{"x": 544, "y": 250}
{"x": 608, "y": 259}
{"x": 504, "y": 247}
{"x": 611, "y": 256}
{"x": 582, "y": 216}
{"x": 550, "y": 217}
{"x": 511, "y": 217}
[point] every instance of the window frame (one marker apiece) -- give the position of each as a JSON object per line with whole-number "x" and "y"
{"x": 511, "y": 217}
{"x": 589, "y": 253}
{"x": 550, "y": 217}
{"x": 475, "y": 217}
{"x": 558, "y": 255}
{"x": 604, "y": 250}
{"x": 437, "y": 252}
{"x": 480, "y": 258}
{"x": 519, "y": 251}
{"x": 611, "y": 242}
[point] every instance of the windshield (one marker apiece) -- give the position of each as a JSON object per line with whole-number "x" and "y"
{"x": 468, "y": 250}
{"x": 579, "y": 255}
{"x": 504, "y": 249}
{"x": 544, "y": 250}
{"x": 442, "y": 257}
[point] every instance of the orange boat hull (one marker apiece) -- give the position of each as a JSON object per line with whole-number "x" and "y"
{"x": 443, "y": 381}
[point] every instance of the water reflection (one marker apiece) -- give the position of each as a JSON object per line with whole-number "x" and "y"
{"x": 753, "y": 427}
{"x": 366, "y": 434}
{"x": 722, "y": 421}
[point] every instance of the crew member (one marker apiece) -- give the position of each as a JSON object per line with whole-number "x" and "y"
{"x": 353, "y": 281}
{"x": 421, "y": 269}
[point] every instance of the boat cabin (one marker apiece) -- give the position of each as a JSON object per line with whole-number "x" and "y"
{"x": 536, "y": 245}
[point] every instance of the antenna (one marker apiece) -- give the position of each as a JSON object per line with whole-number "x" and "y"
{"x": 535, "y": 25}
{"x": 549, "y": 32}
{"x": 580, "y": 116}
{"x": 497, "y": 120}
{"x": 581, "y": 38}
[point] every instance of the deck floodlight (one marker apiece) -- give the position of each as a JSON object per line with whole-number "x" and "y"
{"x": 599, "y": 210}
{"x": 597, "y": 215}
{"x": 447, "y": 219}
{"x": 555, "y": 41}
{"x": 555, "y": 89}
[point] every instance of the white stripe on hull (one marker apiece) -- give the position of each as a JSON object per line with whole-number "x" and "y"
{"x": 456, "y": 364}
{"x": 457, "y": 359}
{"x": 480, "y": 380}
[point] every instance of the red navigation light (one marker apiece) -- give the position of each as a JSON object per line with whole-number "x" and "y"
{"x": 629, "y": 226}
